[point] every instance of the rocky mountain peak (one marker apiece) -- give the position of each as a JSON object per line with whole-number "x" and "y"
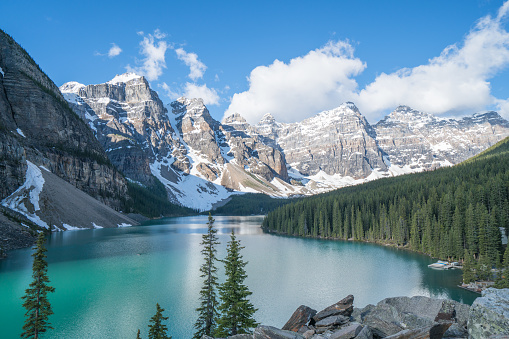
{"x": 235, "y": 118}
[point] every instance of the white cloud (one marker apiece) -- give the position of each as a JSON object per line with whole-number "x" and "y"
{"x": 455, "y": 82}
{"x": 114, "y": 50}
{"x": 196, "y": 67}
{"x": 319, "y": 80}
{"x": 169, "y": 92}
{"x": 153, "y": 49}
{"x": 209, "y": 95}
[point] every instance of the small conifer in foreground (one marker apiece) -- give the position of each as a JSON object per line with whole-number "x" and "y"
{"x": 236, "y": 310}
{"x": 36, "y": 296}
{"x": 207, "y": 312}
{"x": 157, "y": 330}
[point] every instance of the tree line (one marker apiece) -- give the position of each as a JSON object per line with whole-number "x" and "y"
{"x": 449, "y": 213}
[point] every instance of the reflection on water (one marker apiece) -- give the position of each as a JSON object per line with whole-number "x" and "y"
{"x": 108, "y": 280}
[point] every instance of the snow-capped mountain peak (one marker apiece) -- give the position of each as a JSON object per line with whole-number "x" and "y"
{"x": 124, "y": 78}
{"x": 71, "y": 87}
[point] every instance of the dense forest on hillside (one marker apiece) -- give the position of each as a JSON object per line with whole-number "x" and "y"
{"x": 444, "y": 213}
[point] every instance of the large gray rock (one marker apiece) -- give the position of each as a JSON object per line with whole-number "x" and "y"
{"x": 347, "y": 332}
{"x": 393, "y": 315}
{"x": 269, "y": 332}
{"x": 334, "y": 320}
{"x": 343, "y": 307}
{"x": 489, "y": 314}
{"x": 299, "y": 318}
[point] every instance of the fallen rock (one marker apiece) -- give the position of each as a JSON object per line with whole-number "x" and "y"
{"x": 343, "y": 307}
{"x": 270, "y": 332}
{"x": 308, "y": 334}
{"x": 489, "y": 314}
{"x": 456, "y": 331}
{"x": 382, "y": 321}
{"x": 299, "y": 318}
{"x": 436, "y": 331}
{"x": 365, "y": 333}
{"x": 335, "y": 320}
{"x": 347, "y": 332}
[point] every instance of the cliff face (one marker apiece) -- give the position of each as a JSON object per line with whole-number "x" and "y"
{"x": 38, "y": 125}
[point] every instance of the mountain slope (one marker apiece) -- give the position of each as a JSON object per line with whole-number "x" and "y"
{"x": 38, "y": 130}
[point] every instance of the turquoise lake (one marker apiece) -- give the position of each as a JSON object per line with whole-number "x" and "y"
{"x": 108, "y": 281}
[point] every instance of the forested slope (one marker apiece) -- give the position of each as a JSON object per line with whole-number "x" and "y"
{"x": 440, "y": 213}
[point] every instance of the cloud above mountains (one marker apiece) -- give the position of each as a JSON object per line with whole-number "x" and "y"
{"x": 455, "y": 82}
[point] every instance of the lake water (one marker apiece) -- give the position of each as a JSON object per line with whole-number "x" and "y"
{"x": 108, "y": 281}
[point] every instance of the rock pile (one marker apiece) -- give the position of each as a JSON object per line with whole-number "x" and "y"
{"x": 397, "y": 318}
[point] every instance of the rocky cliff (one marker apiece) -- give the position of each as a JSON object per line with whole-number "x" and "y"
{"x": 38, "y": 127}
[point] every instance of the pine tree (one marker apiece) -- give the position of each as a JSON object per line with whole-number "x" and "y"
{"x": 207, "y": 318}
{"x": 36, "y": 296}
{"x": 503, "y": 273}
{"x": 468, "y": 267}
{"x": 138, "y": 335}
{"x": 157, "y": 330}
{"x": 236, "y": 310}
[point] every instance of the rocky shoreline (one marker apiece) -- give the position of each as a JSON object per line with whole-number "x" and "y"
{"x": 397, "y": 318}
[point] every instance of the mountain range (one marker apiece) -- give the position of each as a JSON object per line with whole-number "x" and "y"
{"x": 202, "y": 161}
{"x": 77, "y": 156}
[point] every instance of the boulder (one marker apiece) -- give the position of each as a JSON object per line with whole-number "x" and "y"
{"x": 269, "y": 332}
{"x": 489, "y": 314}
{"x": 343, "y": 307}
{"x": 347, "y": 332}
{"x": 365, "y": 333}
{"x": 299, "y": 318}
{"x": 382, "y": 321}
{"x": 335, "y": 320}
{"x": 435, "y": 331}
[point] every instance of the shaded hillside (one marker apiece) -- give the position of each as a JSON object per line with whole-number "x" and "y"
{"x": 36, "y": 124}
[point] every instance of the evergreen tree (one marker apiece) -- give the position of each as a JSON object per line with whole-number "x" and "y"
{"x": 36, "y": 296}
{"x": 138, "y": 335}
{"x": 207, "y": 312}
{"x": 236, "y": 310}
{"x": 157, "y": 330}
{"x": 503, "y": 273}
{"x": 468, "y": 268}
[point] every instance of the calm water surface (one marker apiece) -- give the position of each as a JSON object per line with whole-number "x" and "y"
{"x": 108, "y": 280}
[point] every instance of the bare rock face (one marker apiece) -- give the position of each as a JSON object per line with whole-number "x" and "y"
{"x": 38, "y": 125}
{"x": 129, "y": 120}
{"x": 339, "y": 141}
{"x": 422, "y": 141}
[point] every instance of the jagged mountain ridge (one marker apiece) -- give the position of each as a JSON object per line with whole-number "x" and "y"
{"x": 202, "y": 161}
{"x": 198, "y": 159}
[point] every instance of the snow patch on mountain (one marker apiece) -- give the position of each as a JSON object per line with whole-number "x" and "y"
{"x": 126, "y": 77}
{"x": 190, "y": 190}
{"x": 25, "y": 199}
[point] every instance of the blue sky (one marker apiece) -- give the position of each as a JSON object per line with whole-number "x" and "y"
{"x": 290, "y": 58}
